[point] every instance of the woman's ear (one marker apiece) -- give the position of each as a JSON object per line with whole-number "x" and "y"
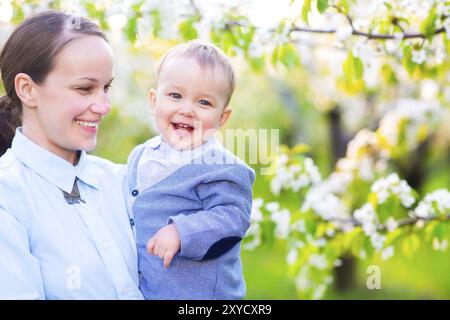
{"x": 225, "y": 116}
{"x": 152, "y": 100}
{"x": 25, "y": 89}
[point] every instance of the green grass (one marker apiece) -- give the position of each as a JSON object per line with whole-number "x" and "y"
{"x": 423, "y": 276}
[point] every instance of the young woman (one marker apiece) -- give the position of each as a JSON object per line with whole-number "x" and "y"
{"x": 64, "y": 228}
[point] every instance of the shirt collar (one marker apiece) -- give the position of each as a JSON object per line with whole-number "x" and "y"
{"x": 51, "y": 167}
{"x": 156, "y": 143}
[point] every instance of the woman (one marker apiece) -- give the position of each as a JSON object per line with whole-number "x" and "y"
{"x": 64, "y": 228}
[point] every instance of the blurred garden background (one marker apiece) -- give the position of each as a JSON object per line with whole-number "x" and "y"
{"x": 355, "y": 203}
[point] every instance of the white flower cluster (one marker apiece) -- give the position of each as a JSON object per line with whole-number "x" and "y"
{"x": 304, "y": 279}
{"x": 324, "y": 203}
{"x": 392, "y": 185}
{"x": 281, "y": 217}
{"x": 368, "y": 218}
{"x": 294, "y": 176}
{"x": 416, "y": 114}
{"x": 254, "y": 231}
{"x": 434, "y": 204}
{"x": 364, "y": 156}
{"x": 419, "y": 56}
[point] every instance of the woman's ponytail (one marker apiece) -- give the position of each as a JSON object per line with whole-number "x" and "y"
{"x": 10, "y": 119}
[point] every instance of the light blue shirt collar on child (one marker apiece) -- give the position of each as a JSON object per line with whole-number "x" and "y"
{"x": 159, "y": 156}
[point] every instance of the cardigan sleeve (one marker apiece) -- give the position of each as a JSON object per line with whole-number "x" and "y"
{"x": 226, "y": 195}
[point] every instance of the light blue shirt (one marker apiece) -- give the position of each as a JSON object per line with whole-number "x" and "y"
{"x": 50, "y": 249}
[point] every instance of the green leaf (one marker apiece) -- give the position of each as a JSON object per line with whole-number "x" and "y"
{"x": 305, "y": 10}
{"x": 409, "y": 65}
{"x": 300, "y": 148}
{"x": 322, "y": 5}
{"x": 388, "y": 74}
{"x": 344, "y": 5}
{"x": 428, "y": 26}
{"x": 186, "y": 29}
{"x": 257, "y": 64}
{"x": 131, "y": 29}
{"x": 155, "y": 15}
{"x": 410, "y": 244}
{"x": 368, "y": 247}
{"x": 289, "y": 56}
{"x": 353, "y": 68}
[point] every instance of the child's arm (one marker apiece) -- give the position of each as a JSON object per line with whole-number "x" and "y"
{"x": 165, "y": 244}
{"x": 227, "y": 199}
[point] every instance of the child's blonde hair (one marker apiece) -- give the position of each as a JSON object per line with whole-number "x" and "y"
{"x": 207, "y": 55}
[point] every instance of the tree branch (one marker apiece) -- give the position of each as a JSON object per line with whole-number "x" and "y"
{"x": 400, "y": 223}
{"x": 370, "y": 36}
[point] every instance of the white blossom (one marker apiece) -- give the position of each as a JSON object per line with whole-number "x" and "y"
{"x": 447, "y": 28}
{"x": 368, "y": 218}
{"x": 377, "y": 241}
{"x": 292, "y": 256}
{"x": 393, "y": 186}
{"x": 440, "y": 245}
{"x": 434, "y": 203}
{"x": 416, "y": 113}
{"x": 387, "y": 253}
{"x": 294, "y": 176}
{"x": 419, "y": 56}
{"x": 391, "y": 224}
{"x": 325, "y": 204}
{"x": 256, "y": 215}
{"x": 282, "y": 221}
{"x": 343, "y": 32}
{"x": 318, "y": 261}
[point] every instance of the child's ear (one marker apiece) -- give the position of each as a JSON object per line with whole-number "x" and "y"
{"x": 152, "y": 100}
{"x": 225, "y": 116}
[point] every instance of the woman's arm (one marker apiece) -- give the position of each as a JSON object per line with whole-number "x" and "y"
{"x": 20, "y": 276}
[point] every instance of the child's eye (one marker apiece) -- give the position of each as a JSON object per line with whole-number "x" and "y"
{"x": 205, "y": 103}
{"x": 106, "y": 88}
{"x": 175, "y": 95}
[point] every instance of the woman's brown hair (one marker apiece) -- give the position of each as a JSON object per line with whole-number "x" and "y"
{"x": 32, "y": 49}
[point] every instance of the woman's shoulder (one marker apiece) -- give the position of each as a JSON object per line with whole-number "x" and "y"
{"x": 10, "y": 168}
{"x": 106, "y": 166}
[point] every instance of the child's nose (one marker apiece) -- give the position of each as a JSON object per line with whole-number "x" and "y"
{"x": 187, "y": 109}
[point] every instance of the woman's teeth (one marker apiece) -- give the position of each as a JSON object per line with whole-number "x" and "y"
{"x": 87, "y": 124}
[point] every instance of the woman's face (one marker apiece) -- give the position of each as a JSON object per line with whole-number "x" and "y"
{"x": 72, "y": 100}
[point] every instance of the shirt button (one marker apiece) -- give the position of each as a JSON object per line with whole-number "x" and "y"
{"x": 134, "y": 193}
{"x": 105, "y": 244}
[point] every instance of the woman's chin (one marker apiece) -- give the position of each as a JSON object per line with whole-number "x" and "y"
{"x": 88, "y": 145}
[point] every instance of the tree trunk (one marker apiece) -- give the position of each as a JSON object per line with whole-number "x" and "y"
{"x": 345, "y": 278}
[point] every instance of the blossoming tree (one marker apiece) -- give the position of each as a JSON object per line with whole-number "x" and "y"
{"x": 383, "y": 61}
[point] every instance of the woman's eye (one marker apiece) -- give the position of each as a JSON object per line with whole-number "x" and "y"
{"x": 175, "y": 95}
{"x": 84, "y": 89}
{"x": 205, "y": 103}
{"x": 107, "y": 87}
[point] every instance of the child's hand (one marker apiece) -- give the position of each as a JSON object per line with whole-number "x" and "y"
{"x": 165, "y": 244}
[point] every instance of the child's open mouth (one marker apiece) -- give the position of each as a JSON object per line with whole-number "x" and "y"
{"x": 182, "y": 128}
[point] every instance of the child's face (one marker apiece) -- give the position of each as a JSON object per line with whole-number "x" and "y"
{"x": 189, "y": 102}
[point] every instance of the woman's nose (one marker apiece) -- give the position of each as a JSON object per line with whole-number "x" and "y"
{"x": 102, "y": 105}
